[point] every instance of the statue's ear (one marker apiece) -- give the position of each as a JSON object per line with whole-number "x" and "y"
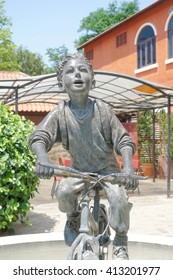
{"x": 93, "y": 83}
{"x": 60, "y": 86}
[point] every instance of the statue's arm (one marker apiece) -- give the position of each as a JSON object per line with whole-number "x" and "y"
{"x": 42, "y": 140}
{"x": 125, "y": 147}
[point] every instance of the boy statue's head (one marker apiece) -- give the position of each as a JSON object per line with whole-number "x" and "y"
{"x": 72, "y": 64}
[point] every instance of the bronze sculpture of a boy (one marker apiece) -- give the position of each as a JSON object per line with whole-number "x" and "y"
{"x": 91, "y": 132}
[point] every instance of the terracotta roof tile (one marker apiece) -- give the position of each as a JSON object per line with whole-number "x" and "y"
{"x": 10, "y": 75}
{"x": 35, "y": 107}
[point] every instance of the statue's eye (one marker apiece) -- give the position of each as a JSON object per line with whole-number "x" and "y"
{"x": 83, "y": 69}
{"x": 69, "y": 70}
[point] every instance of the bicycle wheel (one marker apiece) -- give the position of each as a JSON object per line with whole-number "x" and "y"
{"x": 89, "y": 255}
{"x": 84, "y": 247}
{"x": 88, "y": 248}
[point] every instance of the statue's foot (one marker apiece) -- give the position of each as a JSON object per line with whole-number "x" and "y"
{"x": 120, "y": 253}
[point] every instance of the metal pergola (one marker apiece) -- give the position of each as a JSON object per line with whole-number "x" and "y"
{"x": 125, "y": 94}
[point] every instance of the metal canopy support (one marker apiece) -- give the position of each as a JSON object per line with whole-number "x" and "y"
{"x": 123, "y": 93}
{"x": 154, "y": 144}
{"x": 16, "y": 101}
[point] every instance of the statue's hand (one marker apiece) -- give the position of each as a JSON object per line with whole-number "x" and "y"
{"x": 131, "y": 183}
{"x": 42, "y": 171}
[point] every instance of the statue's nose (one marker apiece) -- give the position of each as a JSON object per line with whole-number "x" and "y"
{"x": 78, "y": 75}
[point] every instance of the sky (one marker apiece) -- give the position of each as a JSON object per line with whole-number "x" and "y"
{"x": 41, "y": 24}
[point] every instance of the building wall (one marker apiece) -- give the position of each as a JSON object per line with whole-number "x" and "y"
{"x": 124, "y": 58}
{"x": 35, "y": 117}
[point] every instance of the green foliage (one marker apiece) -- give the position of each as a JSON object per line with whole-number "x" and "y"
{"x": 30, "y": 63}
{"x": 102, "y": 19}
{"x": 17, "y": 180}
{"x": 163, "y": 122}
{"x": 145, "y": 136}
{"x": 96, "y": 22}
{"x": 125, "y": 10}
{"x": 8, "y": 59}
{"x": 56, "y": 55}
{"x": 4, "y": 21}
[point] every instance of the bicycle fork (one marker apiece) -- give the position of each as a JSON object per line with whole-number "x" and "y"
{"x": 84, "y": 228}
{"x": 86, "y": 215}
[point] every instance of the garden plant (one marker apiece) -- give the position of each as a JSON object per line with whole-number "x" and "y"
{"x": 17, "y": 180}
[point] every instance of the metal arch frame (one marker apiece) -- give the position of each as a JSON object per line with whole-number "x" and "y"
{"x": 37, "y": 80}
{"x": 15, "y": 97}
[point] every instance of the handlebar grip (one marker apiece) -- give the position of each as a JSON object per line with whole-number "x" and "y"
{"x": 117, "y": 178}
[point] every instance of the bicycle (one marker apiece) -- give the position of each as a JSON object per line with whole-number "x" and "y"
{"x": 94, "y": 231}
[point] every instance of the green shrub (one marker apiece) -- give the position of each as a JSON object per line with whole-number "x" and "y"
{"x": 145, "y": 136}
{"x": 163, "y": 122}
{"x": 17, "y": 180}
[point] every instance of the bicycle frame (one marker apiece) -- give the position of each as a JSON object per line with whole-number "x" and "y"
{"x": 84, "y": 239}
{"x": 89, "y": 228}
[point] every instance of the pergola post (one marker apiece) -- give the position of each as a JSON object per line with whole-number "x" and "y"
{"x": 154, "y": 148}
{"x": 16, "y": 101}
{"x": 168, "y": 148}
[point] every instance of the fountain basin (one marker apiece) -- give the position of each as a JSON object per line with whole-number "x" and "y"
{"x": 51, "y": 246}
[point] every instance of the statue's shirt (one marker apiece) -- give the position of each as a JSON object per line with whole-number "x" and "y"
{"x": 89, "y": 149}
{"x": 87, "y": 145}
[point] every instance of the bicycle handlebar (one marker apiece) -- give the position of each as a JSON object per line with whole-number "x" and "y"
{"x": 64, "y": 171}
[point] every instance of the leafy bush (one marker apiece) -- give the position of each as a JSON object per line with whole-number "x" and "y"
{"x": 163, "y": 122}
{"x": 17, "y": 180}
{"x": 145, "y": 136}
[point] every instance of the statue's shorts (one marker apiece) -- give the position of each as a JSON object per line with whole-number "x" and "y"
{"x": 69, "y": 189}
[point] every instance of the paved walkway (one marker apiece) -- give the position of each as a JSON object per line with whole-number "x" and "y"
{"x": 151, "y": 224}
{"x": 152, "y": 212}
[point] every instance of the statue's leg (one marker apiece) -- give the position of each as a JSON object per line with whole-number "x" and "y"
{"x": 119, "y": 220}
{"x": 67, "y": 195}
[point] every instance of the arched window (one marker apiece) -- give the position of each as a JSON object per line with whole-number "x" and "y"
{"x": 170, "y": 38}
{"x": 146, "y": 47}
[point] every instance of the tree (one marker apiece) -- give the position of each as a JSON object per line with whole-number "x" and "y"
{"x": 17, "y": 180}
{"x": 56, "y": 55}
{"x": 102, "y": 19}
{"x": 8, "y": 60}
{"x": 30, "y": 63}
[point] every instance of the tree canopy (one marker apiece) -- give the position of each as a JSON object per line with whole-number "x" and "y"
{"x": 56, "y": 55}
{"x": 29, "y": 63}
{"x": 102, "y": 19}
{"x": 8, "y": 60}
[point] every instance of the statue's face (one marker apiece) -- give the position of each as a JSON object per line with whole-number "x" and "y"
{"x": 76, "y": 78}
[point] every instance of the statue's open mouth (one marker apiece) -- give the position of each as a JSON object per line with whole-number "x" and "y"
{"x": 78, "y": 82}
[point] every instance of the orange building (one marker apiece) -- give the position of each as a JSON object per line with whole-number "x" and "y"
{"x": 141, "y": 45}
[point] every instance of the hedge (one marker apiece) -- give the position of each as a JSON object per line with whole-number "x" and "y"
{"x": 17, "y": 180}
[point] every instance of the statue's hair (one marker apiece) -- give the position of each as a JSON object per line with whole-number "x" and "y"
{"x": 70, "y": 57}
